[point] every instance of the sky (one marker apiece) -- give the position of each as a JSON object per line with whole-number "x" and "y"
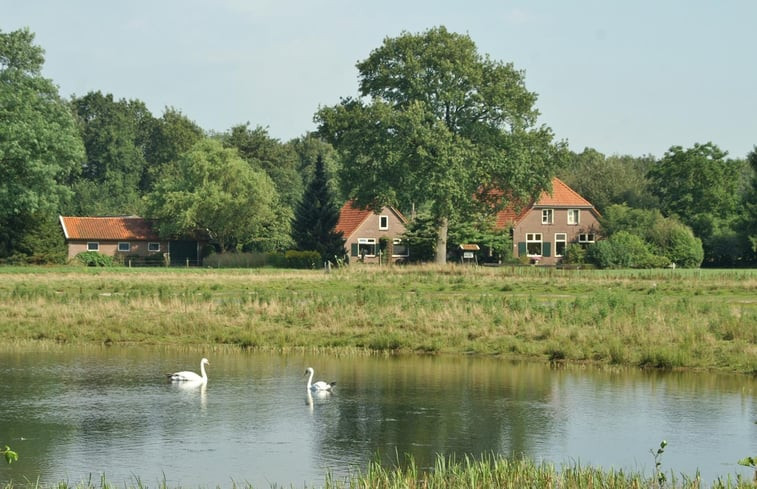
{"x": 622, "y": 77}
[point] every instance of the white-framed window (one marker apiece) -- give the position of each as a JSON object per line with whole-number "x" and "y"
{"x": 533, "y": 244}
{"x": 574, "y": 216}
{"x": 93, "y": 246}
{"x": 561, "y": 241}
{"x": 399, "y": 248}
{"x": 366, "y": 246}
{"x": 383, "y": 223}
{"x": 547, "y": 216}
{"x": 124, "y": 246}
{"x": 153, "y": 246}
{"x": 586, "y": 238}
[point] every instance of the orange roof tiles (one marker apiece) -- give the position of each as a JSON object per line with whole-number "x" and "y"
{"x": 108, "y": 228}
{"x": 351, "y": 217}
{"x": 561, "y": 196}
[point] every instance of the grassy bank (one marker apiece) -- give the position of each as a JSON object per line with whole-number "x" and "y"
{"x": 662, "y": 318}
{"x": 485, "y": 473}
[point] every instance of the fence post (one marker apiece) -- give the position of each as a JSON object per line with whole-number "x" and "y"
{"x": 187, "y": 262}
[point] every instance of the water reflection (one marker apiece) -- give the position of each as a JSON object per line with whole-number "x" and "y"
{"x": 74, "y": 413}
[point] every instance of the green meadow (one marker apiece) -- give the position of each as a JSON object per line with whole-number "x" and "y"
{"x": 669, "y": 319}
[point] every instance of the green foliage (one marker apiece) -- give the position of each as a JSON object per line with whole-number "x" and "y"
{"x": 302, "y": 259}
{"x": 95, "y": 259}
{"x": 40, "y": 149}
{"x": 443, "y": 123}
{"x": 316, "y": 218}
{"x": 9, "y": 455}
{"x": 703, "y": 189}
{"x": 624, "y": 250}
{"x": 114, "y": 134}
{"x": 605, "y": 181}
{"x": 262, "y": 152}
{"x": 575, "y": 254}
{"x": 211, "y": 188}
{"x": 659, "y": 474}
{"x": 664, "y": 236}
{"x": 169, "y": 137}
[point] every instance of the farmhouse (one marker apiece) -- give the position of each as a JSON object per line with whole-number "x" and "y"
{"x": 128, "y": 238}
{"x": 542, "y": 230}
{"x": 372, "y": 237}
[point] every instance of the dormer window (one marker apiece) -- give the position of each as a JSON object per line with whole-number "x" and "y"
{"x": 383, "y": 223}
{"x": 547, "y": 216}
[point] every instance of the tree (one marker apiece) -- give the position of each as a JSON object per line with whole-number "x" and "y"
{"x": 703, "y": 189}
{"x": 750, "y": 224}
{"x": 211, "y": 188}
{"x": 40, "y": 148}
{"x": 664, "y": 236}
{"x": 604, "y": 181}
{"x": 114, "y": 134}
{"x": 169, "y": 137}
{"x": 438, "y": 123}
{"x": 316, "y": 217}
{"x": 277, "y": 160}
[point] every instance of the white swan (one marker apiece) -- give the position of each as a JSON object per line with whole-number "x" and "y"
{"x": 191, "y": 376}
{"x": 319, "y": 386}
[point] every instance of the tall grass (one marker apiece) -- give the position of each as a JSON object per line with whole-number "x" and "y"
{"x": 487, "y": 472}
{"x": 658, "y": 319}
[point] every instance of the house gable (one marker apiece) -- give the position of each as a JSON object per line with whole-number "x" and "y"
{"x": 363, "y": 230}
{"x": 543, "y": 229}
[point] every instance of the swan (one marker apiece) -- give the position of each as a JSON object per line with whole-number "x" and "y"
{"x": 319, "y": 386}
{"x": 191, "y": 376}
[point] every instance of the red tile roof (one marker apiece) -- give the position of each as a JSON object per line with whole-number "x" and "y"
{"x": 351, "y": 217}
{"x": 561, "y": 196}
{"x": 108, "y": 228}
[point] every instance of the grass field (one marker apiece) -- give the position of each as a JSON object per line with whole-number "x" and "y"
{"x": 699, "y": 319}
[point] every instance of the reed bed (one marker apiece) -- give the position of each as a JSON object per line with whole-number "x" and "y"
{"x": 649, "y": 318}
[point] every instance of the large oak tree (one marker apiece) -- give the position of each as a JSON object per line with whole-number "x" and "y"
{"x": 436, "y": 123}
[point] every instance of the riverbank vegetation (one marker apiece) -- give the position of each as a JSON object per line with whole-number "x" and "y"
{"x": 484, "y": 473}
{"x": 698, "y": 319}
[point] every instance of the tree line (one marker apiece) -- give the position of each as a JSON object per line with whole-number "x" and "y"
{"x": 434, "y": 124}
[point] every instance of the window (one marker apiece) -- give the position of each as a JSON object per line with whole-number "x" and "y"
{"x": 574, "y": 216}
{"x": 533, "y": 244}
{"x": 399, "y": 248}
{"x": 561, "y": 240}
{"x": 547, "y": 216}
{"x": 585, "y": 239}
{"x": 124, "y": 246}
{"x": 93, "y": 246}
{"x": 384, "y": 223}
{"x": 366, "y": 246}
{"x": 153, "y": 247}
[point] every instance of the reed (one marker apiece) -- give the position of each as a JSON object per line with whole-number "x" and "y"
{"x": 469, "y": 473}
{"x": 659, "y": 319}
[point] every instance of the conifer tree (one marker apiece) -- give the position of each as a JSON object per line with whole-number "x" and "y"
{"x": 316, "y": 217}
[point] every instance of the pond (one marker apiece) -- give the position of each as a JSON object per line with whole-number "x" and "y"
{"x": 80, "y": 414}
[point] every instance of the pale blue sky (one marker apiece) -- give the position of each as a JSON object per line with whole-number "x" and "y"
{"x": 632, "y": 77}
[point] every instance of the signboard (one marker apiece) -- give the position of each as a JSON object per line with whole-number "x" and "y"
{"x": 468, "y": 254}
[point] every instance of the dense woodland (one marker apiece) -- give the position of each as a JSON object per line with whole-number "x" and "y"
{"x": 425, "y": 146}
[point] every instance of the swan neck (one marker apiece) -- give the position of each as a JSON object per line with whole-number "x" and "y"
{"x": 202, "y": 371}
{"x": 310, "y": 379}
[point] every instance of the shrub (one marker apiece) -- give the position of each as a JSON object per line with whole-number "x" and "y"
{"x": 302, "y": 259}
{"x": 95, "y": 259}
{"x": 624, "y": 250}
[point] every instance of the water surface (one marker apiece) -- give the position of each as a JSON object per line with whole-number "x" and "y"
{"x": 74, "y": 414}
